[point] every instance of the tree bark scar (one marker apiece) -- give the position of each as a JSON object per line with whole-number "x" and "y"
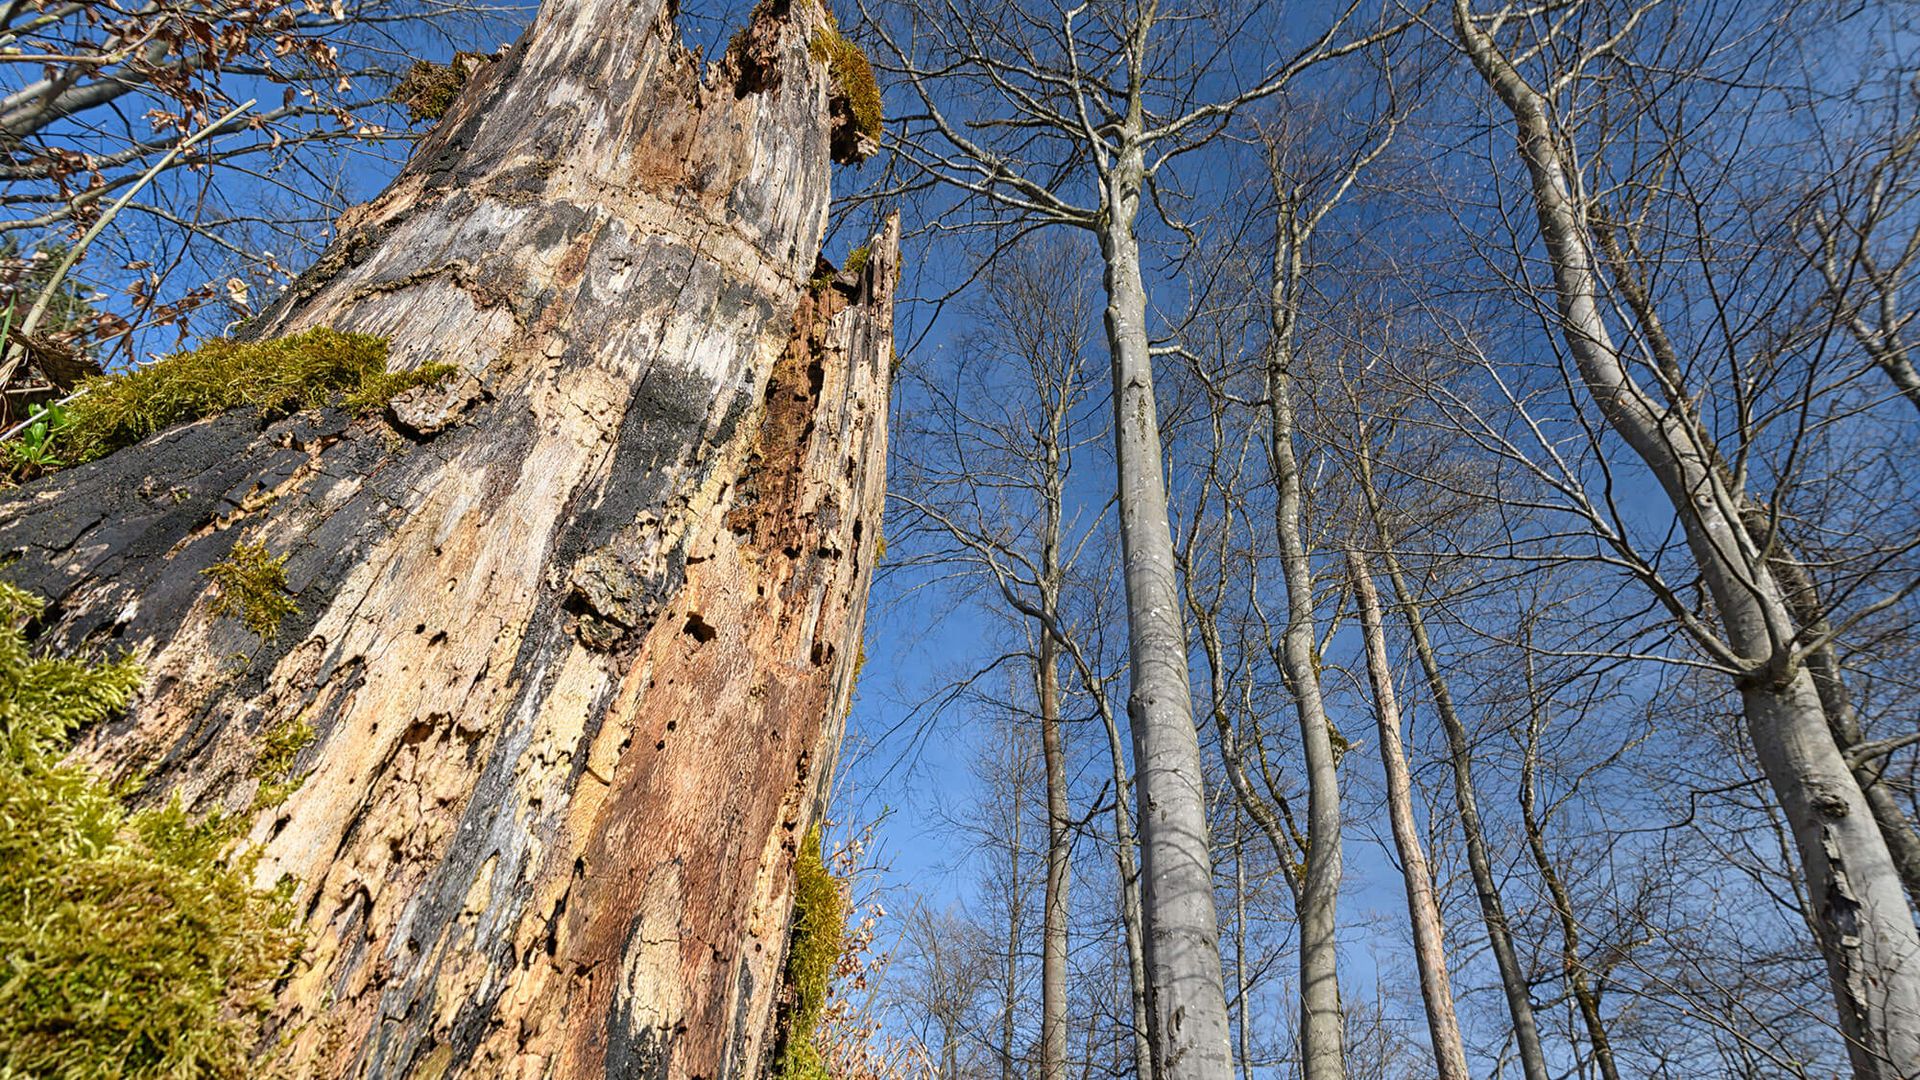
{"x": 752, "y": 693}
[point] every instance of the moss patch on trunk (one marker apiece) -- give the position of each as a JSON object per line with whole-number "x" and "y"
{"x": 135, "y": 946}
{"x": 253, "y": 588}
{"x": 307, "y": 370}
{"x": 813, "y": 952}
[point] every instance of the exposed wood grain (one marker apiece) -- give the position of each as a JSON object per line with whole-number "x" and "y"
{"x": 577, "y": 630}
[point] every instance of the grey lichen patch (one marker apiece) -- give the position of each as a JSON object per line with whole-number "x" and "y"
{"x": 425, "y": 411}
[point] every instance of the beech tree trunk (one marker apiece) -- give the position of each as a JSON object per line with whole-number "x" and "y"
{"x": 1423, "y": 912}
{"x": 1187, "y": 1007}
{"x": 1053, "y": 940}
{"x": 1322, "y": 1028}
{"x": 1486, "y": 888}
{"x": 577, "y": 629}
{"x": 1859, "y": 915}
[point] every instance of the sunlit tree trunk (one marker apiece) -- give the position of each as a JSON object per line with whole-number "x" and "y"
{"x": 1053, "y": 945}
{"x": 1429, "y": 936}
{"x": 1188, "y": 1006}
{"x": 1493, "y": 911}
{"x": 1321, "y": 1027}
{"x": 1863, "y": 924}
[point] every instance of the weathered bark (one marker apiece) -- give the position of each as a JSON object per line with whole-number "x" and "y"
{"x": 1863, "y": 925}
{"x": 1429, "y": 936}
{"x": 1493, "y": 910}
{"x": 577, "y": 630}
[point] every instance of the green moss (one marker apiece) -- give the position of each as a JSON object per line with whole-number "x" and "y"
{"x": 133, "y": 946}
{"x": 304, "y": 371}
{"x": 279, "y": 746}
{"x": 253, "y": 588}
{"x": 428, "y": 89}
{"x": 856, "y": 262}
{"x": 813, "y": 951}
{"x": 852, "y": 76}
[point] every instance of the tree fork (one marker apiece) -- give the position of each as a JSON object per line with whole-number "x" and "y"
{"x": 577, "y": 628}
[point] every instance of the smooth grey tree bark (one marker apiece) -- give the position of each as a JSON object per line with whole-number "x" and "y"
{"x": 1078, "y": 128}
{"x": 1493, "y": 911}
{"x": 1188, "y": 996}
{"x": 1863, "y": 924}
{"x": 1322, "y": 1031}
{"x": 1429, "y": 935}
{"x": 1054, "y": 911}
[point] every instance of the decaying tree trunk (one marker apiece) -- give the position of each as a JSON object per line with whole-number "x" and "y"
{"x": 576, "y": 628}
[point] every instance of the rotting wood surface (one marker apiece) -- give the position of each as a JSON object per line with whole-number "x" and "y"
{"x": 577, "y": 628}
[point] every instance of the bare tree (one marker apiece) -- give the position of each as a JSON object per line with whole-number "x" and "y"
{"x": 1493, "y": 913}
{"x": 990, "y": 494}
{"x": 1861, "y": 918}
{"x": 1075, "y": 117}
{"x": 1429, "y": 936}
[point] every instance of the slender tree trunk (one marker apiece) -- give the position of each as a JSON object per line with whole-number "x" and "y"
{"x": 1010, "y": 986}
{"x": 1865, "y": 928}
{"x": 1429, "y": 937}
{"x": 1586, "y": 998}
{"x": 1132, "y": 922}
{"x": 1493, "y": 911}
{"x": 1053, "y": 958}
{"x": 1321, "y": 1028}
{"x": 1188, "y": 1008}
{"x": 1054, "y": 906}
{"x": 576, "y": 629}
{"x": 1241, "y": 1008}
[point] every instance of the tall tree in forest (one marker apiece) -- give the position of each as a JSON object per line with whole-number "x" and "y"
{"x": 1303, "y": 197}
{"x": 1078, "y": 118}
{"x": 989, "y": 484}
{"x": 1429, "y": 936}
{"x": 1493, "y": 912}
{"x": 527, "y": 682}
{"x": 1858, "y": 906}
